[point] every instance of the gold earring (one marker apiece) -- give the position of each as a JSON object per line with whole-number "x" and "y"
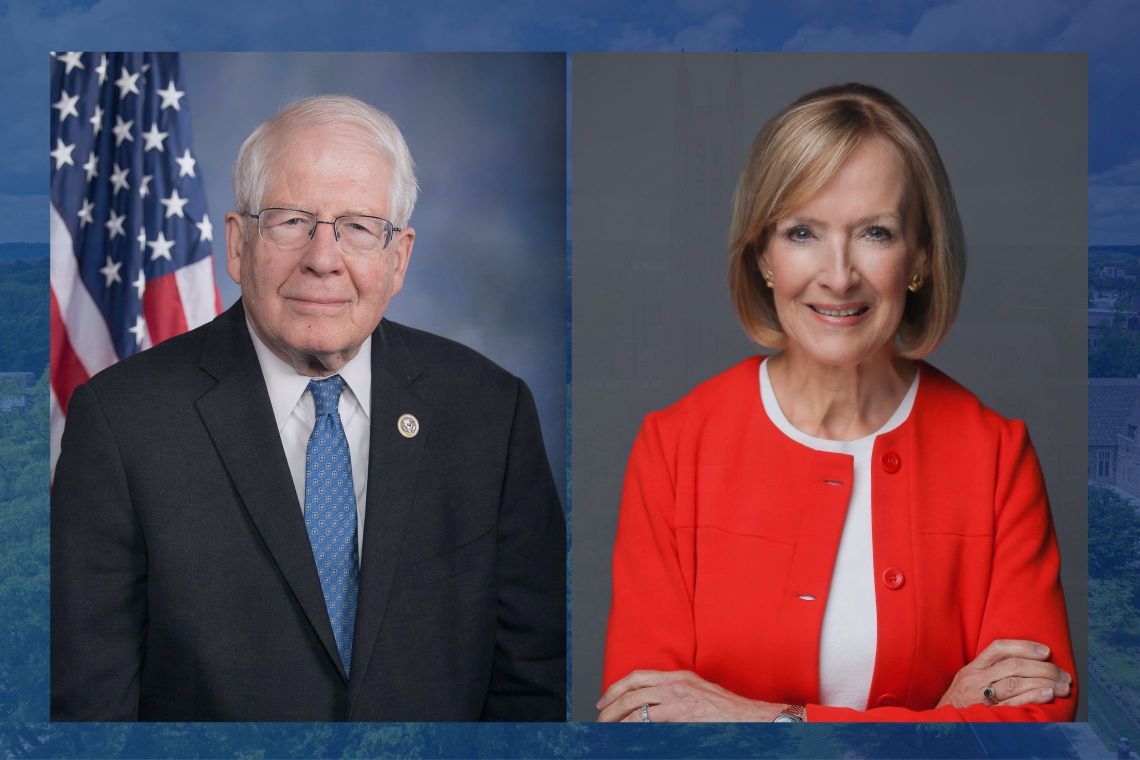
{"x": 915, "y": 283}
{"x": 769, "y": 278}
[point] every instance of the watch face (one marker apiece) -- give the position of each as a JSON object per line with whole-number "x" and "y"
{"x": 786, "y": 718}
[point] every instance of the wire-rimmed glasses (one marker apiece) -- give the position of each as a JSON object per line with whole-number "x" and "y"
{"x": 290, "y": 229}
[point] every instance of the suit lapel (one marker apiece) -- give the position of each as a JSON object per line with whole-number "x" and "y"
{"x": 239, "y": 418}
{"x": 393, "y": 468}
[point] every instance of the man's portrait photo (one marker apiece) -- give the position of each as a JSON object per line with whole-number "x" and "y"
{"x": 340, "y": 498}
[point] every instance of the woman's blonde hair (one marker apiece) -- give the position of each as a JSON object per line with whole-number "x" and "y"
{"x": 794, "y": 156}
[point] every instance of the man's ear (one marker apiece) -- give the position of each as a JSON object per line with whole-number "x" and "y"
{"x": 401, "y": 247}
{"x": 235, "y": 244}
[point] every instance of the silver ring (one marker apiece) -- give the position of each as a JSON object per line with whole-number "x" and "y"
{"x": 645, "y": 713}
{"x": 988, "y": 694}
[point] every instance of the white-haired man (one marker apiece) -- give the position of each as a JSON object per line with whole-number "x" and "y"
{"x": 303, "y": 511}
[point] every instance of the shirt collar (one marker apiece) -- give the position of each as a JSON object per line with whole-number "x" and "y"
{"x": 286, "y": 386}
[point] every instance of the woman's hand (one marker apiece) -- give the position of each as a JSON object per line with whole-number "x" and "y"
{"x": 1016, "y": 670}
{"x": 678, "y": 696}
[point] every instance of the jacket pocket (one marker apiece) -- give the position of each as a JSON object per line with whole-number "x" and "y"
{"x": 455, "y": 561}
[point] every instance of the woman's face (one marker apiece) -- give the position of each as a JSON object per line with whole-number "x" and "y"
{"x": 841, "y": 262}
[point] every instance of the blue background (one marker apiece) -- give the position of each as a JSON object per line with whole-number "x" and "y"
{"x": 1106, "y": 29}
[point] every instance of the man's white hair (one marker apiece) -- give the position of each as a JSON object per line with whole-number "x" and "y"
{"x": 380, "y": 133}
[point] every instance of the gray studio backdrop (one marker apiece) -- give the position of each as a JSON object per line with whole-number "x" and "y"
{"x": 658, "y": 142}
{"x": 488, "y": 135}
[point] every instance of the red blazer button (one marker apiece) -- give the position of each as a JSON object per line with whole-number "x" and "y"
{"x": 891, "y": 462}
{"x": 887, "y": 700}
{"x": 894, "y": 579}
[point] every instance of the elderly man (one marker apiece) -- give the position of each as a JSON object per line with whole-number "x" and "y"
{"x": 302, "y": 511}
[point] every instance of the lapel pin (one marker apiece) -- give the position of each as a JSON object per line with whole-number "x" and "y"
{"x": 408, "y": 425}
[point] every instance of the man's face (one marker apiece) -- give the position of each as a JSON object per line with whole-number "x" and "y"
{"x": 314, "y": 306}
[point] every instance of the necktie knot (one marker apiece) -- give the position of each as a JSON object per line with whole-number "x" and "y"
{"x": 326, "y": 394}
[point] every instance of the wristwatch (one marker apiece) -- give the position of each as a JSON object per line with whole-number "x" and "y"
{"x": 791, "y": 714}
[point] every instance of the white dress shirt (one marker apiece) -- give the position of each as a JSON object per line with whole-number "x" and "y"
{"x": 850, "y": 631}
{"x": 295, "y": 414}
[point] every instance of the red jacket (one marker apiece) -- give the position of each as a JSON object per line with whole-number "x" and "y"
{"x": 725, "y": 524}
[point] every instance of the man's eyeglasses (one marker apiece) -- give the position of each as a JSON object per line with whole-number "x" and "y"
{"x": 290, "y": 229}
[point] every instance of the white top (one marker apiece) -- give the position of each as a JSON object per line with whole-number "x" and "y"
{"x": 850, "y": 627}
{"x": 295, "y": 414}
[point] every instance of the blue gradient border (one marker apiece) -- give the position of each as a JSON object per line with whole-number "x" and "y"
{"x": 1106, "y": 29}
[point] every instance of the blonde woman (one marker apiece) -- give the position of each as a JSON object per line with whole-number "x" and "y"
{"x": 838, "y": 531}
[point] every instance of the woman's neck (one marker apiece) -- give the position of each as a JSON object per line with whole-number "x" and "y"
{"x": 839, "y": 403}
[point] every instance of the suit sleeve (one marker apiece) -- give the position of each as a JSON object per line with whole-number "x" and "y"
{"x": 1025, "y": 600}
{"x": 98, "y": 574}
{"x": 528, "y": 680}
{"x": 651, "y": 613}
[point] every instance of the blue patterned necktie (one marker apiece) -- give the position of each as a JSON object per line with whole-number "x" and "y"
{"x": 330, "y": 513}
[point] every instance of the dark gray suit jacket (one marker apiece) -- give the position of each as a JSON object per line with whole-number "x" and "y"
{"x": 183, "y": 583}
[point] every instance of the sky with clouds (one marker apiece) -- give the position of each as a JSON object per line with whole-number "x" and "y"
{"x": 1106, "y": 29}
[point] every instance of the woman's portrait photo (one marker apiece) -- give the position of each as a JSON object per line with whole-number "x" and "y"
{"x": 828, "y": 377}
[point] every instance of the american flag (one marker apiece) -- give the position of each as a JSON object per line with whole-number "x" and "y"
{"x": 130, "y": 237}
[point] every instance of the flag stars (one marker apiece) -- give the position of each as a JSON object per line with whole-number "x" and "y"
{"x": 170, "y": 96}
{"x": 122, "y": 130}
{"x": 110, "y": 272}
{"x": 66, "y": 106}
{"x": 119, "y": 179}
{"x": 139, "y": 330}
{"x": 160, "y": 247}
{"x": 92, "y": 166}
{"x": 96, "y": 120}
{"x": 76, "y": 153}
{"x": 71, "y": 61}
{"x": 114, "y": 225}
{"x": 186, "y": 164}
{"x": 127, "y": 83}
{"x": 85, "y": 213}
{"x": 205, "y": 227}
{"x": 62, "y": 154}
{"x": 174, "y": 204}
{"x": 153, "y": 139}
